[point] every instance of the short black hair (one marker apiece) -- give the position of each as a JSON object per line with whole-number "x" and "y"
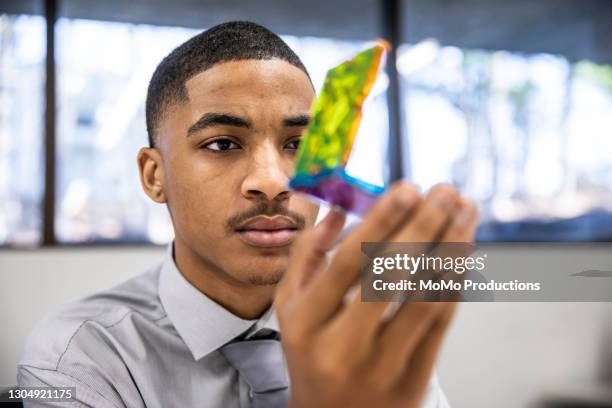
{"x": 231, "y": 41}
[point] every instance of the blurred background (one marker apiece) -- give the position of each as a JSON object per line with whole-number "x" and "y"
{"x": 509, "y": 101}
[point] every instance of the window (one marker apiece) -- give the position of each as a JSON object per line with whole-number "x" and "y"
{"x": 510, "y": 101}
{"x": 103, "y": 72}
{"x": 526, "y": 135}
{"x": 22, "y": 76}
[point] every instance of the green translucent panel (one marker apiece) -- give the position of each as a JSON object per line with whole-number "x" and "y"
{"x": 336, "y": 113}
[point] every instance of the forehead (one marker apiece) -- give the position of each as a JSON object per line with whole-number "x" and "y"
{"x": 245, "y": 86}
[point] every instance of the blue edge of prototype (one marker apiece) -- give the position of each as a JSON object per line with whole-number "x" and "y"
{"x": 337, "y": 188}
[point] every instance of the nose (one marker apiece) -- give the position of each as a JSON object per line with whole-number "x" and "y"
{"x": 267, "y": 178}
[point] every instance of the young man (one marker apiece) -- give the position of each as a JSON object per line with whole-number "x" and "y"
{"x": 225, "y": 112}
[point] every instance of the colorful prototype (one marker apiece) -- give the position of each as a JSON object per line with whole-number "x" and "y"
{"x": 326, "y": 145}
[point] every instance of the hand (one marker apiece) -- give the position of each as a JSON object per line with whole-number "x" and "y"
{"x": 345, "y": 353}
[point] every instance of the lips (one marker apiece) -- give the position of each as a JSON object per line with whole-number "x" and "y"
{"x": 268, "y": 232}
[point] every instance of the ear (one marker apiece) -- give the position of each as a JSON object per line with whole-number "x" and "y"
{"x": 151, "y": 169}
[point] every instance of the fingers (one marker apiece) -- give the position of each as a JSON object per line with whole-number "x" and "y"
{"x": 431, "y": 216}
{"x": 402, "y": 334}
{"x": 463, "y": 226}
{"x": 400, "y": 215}
{"x": 428, "y": 226}
{"x": 327, "y": 290}
{"x": 425, "y": 223}
{"x": 455, "y": 243}
{"x": 308, "y": 254}
{"x": 414, "y": 383}
{"x": 360, "y": 322}
{"x": 458, "y": 221}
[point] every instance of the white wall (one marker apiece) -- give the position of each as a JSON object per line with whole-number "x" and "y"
{"x": 497, "y": 354}
{"x": 34, "y": 283}
{"x": 508, "y": 355}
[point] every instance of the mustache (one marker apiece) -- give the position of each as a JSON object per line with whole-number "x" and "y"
{"x": 270, "y": 210}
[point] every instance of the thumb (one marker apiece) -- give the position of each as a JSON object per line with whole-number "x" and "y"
{"x": 308, "y": 252}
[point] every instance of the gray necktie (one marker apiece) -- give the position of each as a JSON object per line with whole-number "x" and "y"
{"x": 261, "y": 364}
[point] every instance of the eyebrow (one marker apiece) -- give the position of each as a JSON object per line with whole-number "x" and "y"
{"x": 299, "y": 120}
{"x": 211, "y": 119}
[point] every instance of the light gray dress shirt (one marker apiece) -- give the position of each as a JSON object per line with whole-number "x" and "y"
{"x": 152, "y": 341}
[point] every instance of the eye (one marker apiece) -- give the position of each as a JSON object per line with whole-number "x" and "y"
{"x": 293, "y": 145}
{"x": 221, "y": 145}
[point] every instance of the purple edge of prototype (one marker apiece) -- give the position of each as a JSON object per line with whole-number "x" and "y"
{"x": 337, "y": 192}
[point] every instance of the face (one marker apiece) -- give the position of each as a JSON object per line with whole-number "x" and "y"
{"x": 225, "y": 158}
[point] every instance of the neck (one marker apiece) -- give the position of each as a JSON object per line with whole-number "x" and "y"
{"x": 245, "y": 300}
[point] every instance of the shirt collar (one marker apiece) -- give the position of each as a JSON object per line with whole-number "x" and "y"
{"x": 203, "y": 324}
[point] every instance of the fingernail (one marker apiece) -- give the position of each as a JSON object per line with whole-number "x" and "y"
{"x": 465, "y": 216}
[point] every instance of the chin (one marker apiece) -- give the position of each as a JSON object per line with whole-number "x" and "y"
{"x": 268, "y": 270}
{"x": 259, "y": 279}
